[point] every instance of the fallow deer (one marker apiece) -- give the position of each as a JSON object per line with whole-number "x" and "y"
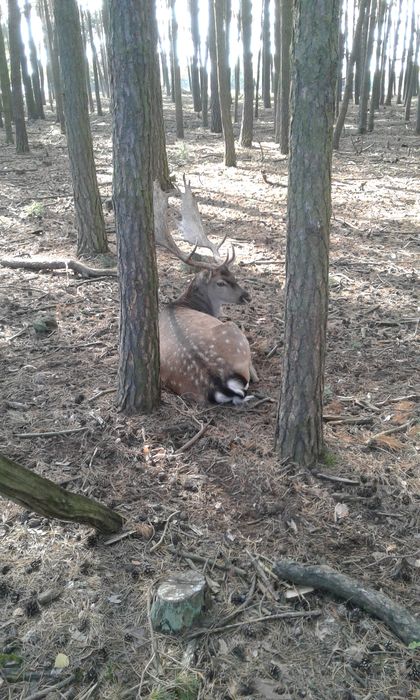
{"x": 202, "y": 357}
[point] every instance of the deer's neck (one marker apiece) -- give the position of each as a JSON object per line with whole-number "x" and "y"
{"x": 197, "y": 298}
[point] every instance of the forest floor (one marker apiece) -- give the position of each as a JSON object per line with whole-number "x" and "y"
{"x": 226, "y": 499}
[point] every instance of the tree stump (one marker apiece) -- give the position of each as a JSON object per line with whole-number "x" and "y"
{"x": 179, "y": 601}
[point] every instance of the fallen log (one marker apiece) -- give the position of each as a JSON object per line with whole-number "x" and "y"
{"x": 41, "y": 495}
{"x": 39, "y": 264}
{"x": 405, "y": 625}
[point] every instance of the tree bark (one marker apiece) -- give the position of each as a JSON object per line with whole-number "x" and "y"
{"x": 284, "y": 92}
{"x": 33, "y": 57}
{"x": 360, "y": 58}
{"x": 391, "y": 76}
{"x": 365, "y": 85}
{"x": 91, "y": 236}
{"x": 222, "y": 80}
{"x": 177, "y": 75}
{"x": 160, "y": 167}
{"x": 26, "y": 79}
{"x": 314, "y": 71}
{"x": 195, "y": 75}
{"x": 384, "y": 55}
{"x": 276, "y": 59}
{"x": 349, "y": 77}
{"x": 132, "y": 52}
{"x": 86, "y": 61}
{"x": 41, "y": 495}
{"x": 22, "y": 145}
{"x": 55, "y": 66}
{"x": 376, "y": 84}
{"x": 403, "y": 58}
{"x": 247, "y": 126}
{"x": 6, "y": 92}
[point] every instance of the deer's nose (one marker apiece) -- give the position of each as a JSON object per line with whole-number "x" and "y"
{"x": 245, "y": 297}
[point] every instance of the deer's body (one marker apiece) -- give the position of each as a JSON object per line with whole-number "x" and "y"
{"x": 201, "y": 357}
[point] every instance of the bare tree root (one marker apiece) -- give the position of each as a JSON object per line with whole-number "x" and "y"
{"x": 38, "y": 264}
{"x": 397, "y": 618}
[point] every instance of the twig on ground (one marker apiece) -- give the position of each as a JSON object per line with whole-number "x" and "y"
{"x": 205, "y": 560}
{"x": 263, "y": 576}
{"x": 265, "y": 618}
{"x": 101, "y": 393}
{"x": 39, "y": 264}
{"x": 50, "y": 689}
{"x": 193, "y": 440}
{"x": 52, "y": 433}
{"x": 165, "y": 529}
{"x": 332, "y": 420}
{"x": 397, "y": 429}
{"x": 338, "y": 479}
{"x": 18, "y": 334}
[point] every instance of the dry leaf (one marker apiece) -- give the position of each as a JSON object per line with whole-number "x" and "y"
{"x": 389, "y": 441}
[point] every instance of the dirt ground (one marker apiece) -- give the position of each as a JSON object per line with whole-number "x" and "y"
{"x": 224, "y": 504}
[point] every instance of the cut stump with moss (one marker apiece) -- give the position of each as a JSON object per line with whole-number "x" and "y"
{"x": 179, "y": 601}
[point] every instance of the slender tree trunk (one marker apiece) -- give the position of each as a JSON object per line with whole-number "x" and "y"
{"x": 247, "y": 125}
{"x": 284, "y": 107}
{"x": 36, "y": 86}
{"x": 384, "y": 56}
{"x": 257, "y": 85}
{"x": 1, "y": 114}
{"x": 133, "y": 56}
{"x": 159, "y": 158}
{"x": 314, "y": 66}
{"x": 403, "y": 57}
{"x": 374, "y": 95}
{"x": 364, "y": 92}
{"x": 86, "y": 62}
{"x": 195, "y": 75}
{"x": 91, "y": 236}
{"x": 55, "y": 65}
{"x": 5, "y": 91}
{"x": 94, "y": 65}
{"x": 409, "y": 68}
{"x": 222, "y": 79}
{"x": 204, "y": 84}
{"x": 237, "y": 85}
{"x": 391, "y": 77}
{"x": 277, "y": 45}
{"x": 215, "y": 113}
{"x": 26, "y": 79}
{"x": 349, "y": 77}
{"x": 418, "y": 113}
{"x": 266, "y": 55}
{"x": 360, "y": 58}
{"x": 22, "y": 145}
{"x": 339, "y": 84}
{"x": 165, "y": 70}
{"x": 414, "y": 82}
{"x": 177, "y": 75}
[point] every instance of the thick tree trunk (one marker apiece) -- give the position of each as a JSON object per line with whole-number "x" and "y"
{"x": 91, "y": 236}
{"x": 349, "y": 77}
{"x": 391, "y": 76}
{"x": 222, "y": 79}
{"x": 266, "y": 55}
{"x": 364, "y": 90}
{"x": 6, "y": 92}
{"x": 314, "y": 70}
{"x": 215, "y": 113}
{"x": 195, "y": 74}
{"x": 94, "y": 65}
{"x": 132, "y": 51}
{"x": 177, "y": 75}
{"x": 247, "y": 126}
{"x": 22, "y": 145}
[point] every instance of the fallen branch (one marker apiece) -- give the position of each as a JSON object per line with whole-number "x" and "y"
{"x": 390, "y": 431}
{"x": 337, "y": 479}
{"x": 52, "y": 433}
{"x": 395, "y": 616}
{"x": 193, "y": 440}
{"x": 41, "y": 495}
{"x": 39, "y": 264}
{"x": 264, "y": 618}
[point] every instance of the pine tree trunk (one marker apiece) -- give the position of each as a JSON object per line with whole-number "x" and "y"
{"x": 360, "y": 58}
{"x": 36, "y": 85}
{"x": 204, "y": 84}
{"x": 94, "y": 65}
{"x": 215, "y": 114}
{"x": 195, "y": 75}
{"x": 364, "y": 90}
{"x": 222, "y": 80}
{"x": 5, "y": 91}
{"x": 414, "y": 82}
{"x": 91, "y": 236}
{"x": 133, "y": 59}
{"x": 177, "y": 75}
{"x": 374, "y": 95}
{"x": 391, "y": 76}
{"x": 26, "y": 78}
{"x": 247, "y": 125}
{"x": 266, "y": 55}
{"x": 257, "y": 85}
{"x": 277, "y": 49}
{"x": 384, "y": 57}
{"x": 349, "y": 77}
{"x": 237, "y": 84}
{"x": 52, "y": 50}
{"x": 160, "y": 167}
{"x": 284, "y": 107}
{"x": 22, "y": 145}
{"x": 86, "y": 62}
{"x": 403, "y": 57}
{"x": 314, "y": 70}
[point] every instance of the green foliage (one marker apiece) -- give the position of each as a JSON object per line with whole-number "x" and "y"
{"x": 10, "y": 660}
{"x": 414, "y": 645}
{"x": 329, "y": 459}
{"x": 35, "y": 209}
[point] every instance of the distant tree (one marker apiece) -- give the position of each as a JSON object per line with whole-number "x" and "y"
{"x": 215, "y": 113}
{"x": 349, "y": 77}
{"x": 222, "y": 80}
{"x": 360, "y": 58}
{"x": 418, "y": 112}
{"x": 176, "y": 74}
{"x": 26, "y": 78}
{"x": 413, "y": 80}
{"x": 159, "y": 158}
{"x": 365, "y": 85}
{"x": 22, "y": 145}
{"x": 376, "y": 83}
{"x": 257, "y": 85}
{"x": 33, "y": 58}
{"x": 195, "y": 73}
{"x": 132, "y": 51}
{"x": 5, "y": 91}
{"x": 403, "y": 60}
{"x": 247, "y": 125}
{"x": 266, "y": 55}
{"x": 91, "y": 236}
{"x": 314, "y": 70}
{"x": 410, "y": 53}
{"x": 55, "y": 66}
{"x": 95, "y": 63}
{"x": 204, "y": 84}
{"x": 391, "y": 75}
{"x": 283, "y": 106}
{"x": 384, "y": 55}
